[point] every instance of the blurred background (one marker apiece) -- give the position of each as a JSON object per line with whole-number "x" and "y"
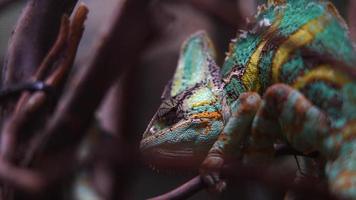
{"x": 174, "y": 20}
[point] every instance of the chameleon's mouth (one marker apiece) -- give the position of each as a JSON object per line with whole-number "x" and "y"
{"x": 183, "y": 145}
{"x": 173, "y": 157}
{"x": 161, "y": 149}
{"x": 161, "y": 137}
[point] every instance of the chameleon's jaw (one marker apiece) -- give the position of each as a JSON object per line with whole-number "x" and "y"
{"x": 164, "y": 136}
{"x": 184, "y": 145}
{"x": 166, "y": 143}
{"x": 173, "y": 157}
{"x": 160, "y": 151}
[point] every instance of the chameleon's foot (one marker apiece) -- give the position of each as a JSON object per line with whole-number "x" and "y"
{"x": 210, "y": 173}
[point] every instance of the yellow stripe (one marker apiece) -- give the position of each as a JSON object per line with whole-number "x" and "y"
{"x": 202, "y": 103}
{"x": 300, "y": 38}
{"x": 322, "y": 72}
{"x": 250, "y": 78}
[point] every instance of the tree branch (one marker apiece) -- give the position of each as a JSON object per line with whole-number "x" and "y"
{"x": 19, "y": 127}
{"x": 34, "y": 34}
{"x": 118, "y": 49}
{"x": 240, "y": 174}
{"x": 25, "y": 112}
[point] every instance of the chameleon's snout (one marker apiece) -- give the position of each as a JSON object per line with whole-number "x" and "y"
{"x": 187, "y": 141}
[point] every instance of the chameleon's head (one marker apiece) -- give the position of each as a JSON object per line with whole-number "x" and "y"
{"x": 190, "y": 117}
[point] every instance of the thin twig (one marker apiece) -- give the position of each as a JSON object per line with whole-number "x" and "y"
{"x": 75, "y": 35}
{"x": 48, "y": 61}
{"x": 55, "y": 51}
{"x": 25, "y": 109}
{"x": 57, "y": 78}
{"x": 35, "y": 32}
{"x": 30, "y": 104}
{"x": 287, "y": 150}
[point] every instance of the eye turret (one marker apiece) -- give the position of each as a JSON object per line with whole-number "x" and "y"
{"x": 170, "y": 112}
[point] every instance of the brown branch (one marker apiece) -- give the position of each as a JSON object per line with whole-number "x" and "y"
{"x": 36, "y": 182}
{"x": 28, "y": 105}
{"x": 55, "y": 51}
{"x": 48, "y": 61}
{"x": 76, "y": 32}
{"x": 22, "y": 179}
{"x": 34, "y": 34}
{"x": 23, "y": 112}
{"x": 240, "y": 174}
{"x": 57, "y": 78}
{"x": 118, "y": 49}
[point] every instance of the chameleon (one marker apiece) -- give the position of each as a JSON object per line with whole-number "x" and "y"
{"x": 279, "y": 83}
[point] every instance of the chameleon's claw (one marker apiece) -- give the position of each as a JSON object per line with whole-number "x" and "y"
{"x": 215, "y": 184}
{"x": 210, "y": 173}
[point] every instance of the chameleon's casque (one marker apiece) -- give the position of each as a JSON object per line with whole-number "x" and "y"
{"x": 190, "y": 117}
{"x": 291, "y": 78}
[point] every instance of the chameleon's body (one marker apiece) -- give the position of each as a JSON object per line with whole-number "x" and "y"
{"x": 307, "y": 102}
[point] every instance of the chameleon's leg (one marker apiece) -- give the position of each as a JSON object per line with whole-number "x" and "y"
{"x": 279, "y": 101}
{"x": 303, "y": 125}
{"x": 230, "y": 139}
{"x": 307, "y": 129}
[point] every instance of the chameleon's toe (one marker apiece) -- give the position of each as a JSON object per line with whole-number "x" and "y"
{"x": 215, "y": 184}
{"x": 210, "y": 173}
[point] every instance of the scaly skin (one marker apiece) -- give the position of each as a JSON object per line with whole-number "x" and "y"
{"x": 306, "y": 102}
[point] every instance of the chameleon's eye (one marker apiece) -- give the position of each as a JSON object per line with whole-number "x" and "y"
{"x": 166, "y": 107}
{"x": 169, "y": 113}
{"x": 153, "y": 129}
{"x": 171, "y": 117}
